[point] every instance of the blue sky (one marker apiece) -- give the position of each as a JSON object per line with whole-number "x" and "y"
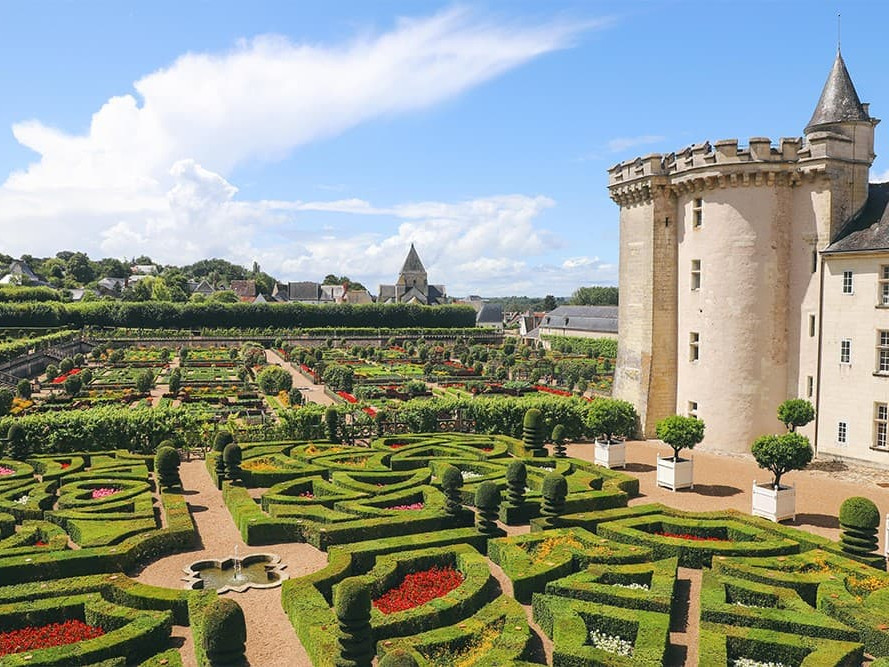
{"x": 323, "y": 138}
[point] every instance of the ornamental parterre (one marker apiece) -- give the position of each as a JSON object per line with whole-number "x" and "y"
{"x": 33, "y": 638}
{"x": 419, "y": 588}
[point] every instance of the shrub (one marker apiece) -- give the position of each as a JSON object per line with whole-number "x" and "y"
{"x": 558, "y": 439}
{"x": 231, "y": 455}
{"x": 23, "y": 388}
{"x": 52, "y": 372}
{"x": 144, "y": 381}
{"x": 782, "y": 453}
{"x": 680, "y": 433}
{"x": 555, "y": 490}
{"x": 73, "y": 384}
{"x": 532, "y": 431}
{"x": 166, "y": 465}
{"x": 331, "y": 424}
{"x": 79, "y": 360}
{"x": 339, "y": 377}
{"x": 795, "y": 412}
{"x": 296, "y": 397}
{"x": 66, "y": 364}
{"x": 397, "y": 658}
{"x": 86, "y": 376}
{"x": 274, "y": 379}
{"x": 6, "y": 397}
{"x": 175, "y": 381}
{"x": 222, "y": 439}
{"x": 609, "y": 417}
{"x": 224, "y": 632}
{"x": 487, "y": 500}
{"x": 516, "y": 479}
{"x": 351, "y": 604}
{"x": 16, "y": 437}
{"x": 451, "y": 482}
{"x": 859, "y": 519}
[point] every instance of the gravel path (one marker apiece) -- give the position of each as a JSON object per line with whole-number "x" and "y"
{"x": 271, "y": 641}
{"x": 313, "y": 393}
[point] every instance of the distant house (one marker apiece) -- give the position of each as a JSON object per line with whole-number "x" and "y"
{"x": 490, "y": 316}
{"x": 413, "y": 285}
{"x": 200, "y": 287}
{"x": 20, "y": 273}
{"x": 580, "y": 321}
{"x": 528, "y": 321}
{"x": 145, "y": 269}
{"x": 357, "y": 296}
{"x": 111, "y": 286}
{"x": 308, "y": 291}
{"x": 245, "y": 289}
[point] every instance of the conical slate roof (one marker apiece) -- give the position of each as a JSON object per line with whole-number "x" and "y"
{"x": 412, "y": 263}
{"x": 839, "y": 101}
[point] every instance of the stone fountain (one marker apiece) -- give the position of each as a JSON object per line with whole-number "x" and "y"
{"x": 236, "y": 573}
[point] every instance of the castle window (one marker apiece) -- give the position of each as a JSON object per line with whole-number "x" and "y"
{"x": 810, "y": 386}
{"x": 846, "y": 351}
{"x": 697, "y": 213}
{"x": 881, "y": 426}
{"x": 847, "y": 282}
{"x": 811, "y": 326}
{"x": 841, "y": 432}
{"x": 694, "y": 346}
{"x": 884, "y": 285}
{"x": 814, "y": 261}
{"x": 696, "y": 274}
{"x": 883, "y": 352}
{"x": 693, "y": 409}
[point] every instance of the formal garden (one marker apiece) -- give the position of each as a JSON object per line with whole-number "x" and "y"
{"x": 163, "y": 503}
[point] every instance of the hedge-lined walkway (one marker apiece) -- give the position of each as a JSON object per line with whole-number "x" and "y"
{"x": 312, "y": 393}
{"x": 271, "y": 641}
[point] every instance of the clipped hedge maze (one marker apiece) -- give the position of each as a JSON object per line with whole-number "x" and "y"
{"x": 69, "y": 526}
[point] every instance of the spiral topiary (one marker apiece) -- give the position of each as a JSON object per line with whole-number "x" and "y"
{"x": 225, "y": 632}
{"x": 222, "y": 439}
{"x": 166, "y": 465}
{"x": 487, "y": 501}
{"x": 859, "y": 519}
{"x": 231, "y": 456}
{"x": 16, "y": 442}
{"x": 351, "y": 604}
{"x": 331, "y": 424}
{"x": 516, "y": 480}
{"x": 555, "y": 490}
{"x": 451, "y": 482}
{"x": 398, "y": 658}
{"x": 558, "y": 438}
{"x": 532, "y": 432}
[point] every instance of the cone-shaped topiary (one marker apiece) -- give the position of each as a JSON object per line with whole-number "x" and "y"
{"x": 351, "y": 604}
{"x": 451, "y": 482}
{"x": 166, "y": 466}
{"x": 487, "y": 501}
{"x": 859, "y": 519}
{"x": 516, "y": 480}
{"x": 231, "y": 456}
{"x": 331, "y": 424}
{"x": 222, "y": 439}
{"x": 225, "y": 632}
{"x": 16, "y": 437}
{"x": 532, "y": 432}
{"x": 558, "y": 438}
{"x": 555, "y": 489}
{"x": 398, "y": 658}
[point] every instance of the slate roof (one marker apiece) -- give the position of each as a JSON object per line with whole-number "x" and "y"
{"x": 412, "y": 263}
{"x": 582, "y": 318}
{"x": 304, "y": 291}
{"x": 869, "y": 230}
{"x": 839, "y": 100}
{"x": 490, "y": 313}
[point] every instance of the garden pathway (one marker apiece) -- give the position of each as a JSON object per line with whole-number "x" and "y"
{"x": 312, "y": 393}
{"x": 271, "y": 641}
{"x": 684, "y": 619}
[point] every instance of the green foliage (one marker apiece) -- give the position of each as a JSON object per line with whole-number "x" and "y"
{"x": 66, "y": 364}
{"x": 680, "y": 433}
{"x": 145, "y": 381}
{"x": 859, "y": 512}
{"x": 23, "y": 388}
{"x": 609, "y": 418}
{"x": 596, "y": 295}
{"x": 339, "y": 377}
{"x": 175, "y": 381}
{"x": 352, "y": 605}
{"x": 591, "y": 347}
{"x": 73, "y": 384}
{"x": 397, "y": 658}
{"x": 19, "y": 347}
{"x": 274, "y": 379}
{"x": 781, "y": 454}
{"x": 222, "y": 439}
{"x": 516, "y": 480}
{"x": 52, "y": 372}
{"x": 166, "y": 465}
{"x": 224, "y": 632}
{"x": 232, "y": 456}
{"x": 795, "y": 412}
{"x": 532, "y": 431}
{"x": 6, "y": 397}
{"x": 16, "y": 293}
{"x": 86, "y": 376}
{"x": 487, "y": 501}
{"x": 331, "y": 424}
{"x": 16, "y": 437}
{"x": 558, "y": 440}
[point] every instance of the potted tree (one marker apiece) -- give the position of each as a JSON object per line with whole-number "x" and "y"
{"x": 674, "y": 472}
{"x": 609, "y": 419}
{"x": 795, "y": 412}
{"x": 779, "y": 454}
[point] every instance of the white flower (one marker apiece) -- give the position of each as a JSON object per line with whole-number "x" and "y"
{"x": 611, "y": 643}
{"x": 634, "y": 586}
{"x": 22, "y": 500}
{"x": 750, "y": 662}
{"x": 470, "y": 474}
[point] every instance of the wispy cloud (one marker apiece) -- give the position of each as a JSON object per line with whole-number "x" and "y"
{"x": 621, "y": 144}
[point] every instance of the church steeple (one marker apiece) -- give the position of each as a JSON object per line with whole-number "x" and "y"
{"x": 839, "y": 102}
{"x": 412, "y": 263}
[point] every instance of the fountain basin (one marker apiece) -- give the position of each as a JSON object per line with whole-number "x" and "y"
{"x": 236, "y": 573}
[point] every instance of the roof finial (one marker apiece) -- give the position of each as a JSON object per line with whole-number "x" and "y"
{"x": 839, "y": 24}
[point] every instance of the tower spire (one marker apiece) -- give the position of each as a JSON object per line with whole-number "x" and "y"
{"x": 839, "y": 101}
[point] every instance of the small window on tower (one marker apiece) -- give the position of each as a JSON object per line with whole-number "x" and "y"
{"x": 697, "y": 213}
{"x": 694, "y": 346}
{"x": 811, "y": 326}
{"x": 696, "y": 274}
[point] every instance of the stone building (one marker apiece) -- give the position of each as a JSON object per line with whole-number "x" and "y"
{"x": 413, "y": 285}
{"x": 754, "y": 274}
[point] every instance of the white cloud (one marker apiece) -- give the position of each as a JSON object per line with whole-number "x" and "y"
{"x": 621, "y": 144}
{"x": 150, "y": 174}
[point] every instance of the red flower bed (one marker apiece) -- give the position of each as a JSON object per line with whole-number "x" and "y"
{"x": 64, "y": 465}
{"x": 41, "y": 543}
{"x": 306, "y": 494}
{"x": 4, "y": 471}
{"x": 686, "y": 536}
{"x": 550, "y": 390}
{"x": 397, "y": 445}
{"x": 64, "y": 376}
{"x": 412, "y": 506}
{"x": 44, "y": 636}
{"x": 370, "y": 411}
{"x": 419, "y": 588}
{"x": 346, "y": 396}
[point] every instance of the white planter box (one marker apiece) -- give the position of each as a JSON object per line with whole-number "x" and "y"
{"x": 675, "y": 474}
{"x": 774, "y": 505}
{"x": 613, "y": 455}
